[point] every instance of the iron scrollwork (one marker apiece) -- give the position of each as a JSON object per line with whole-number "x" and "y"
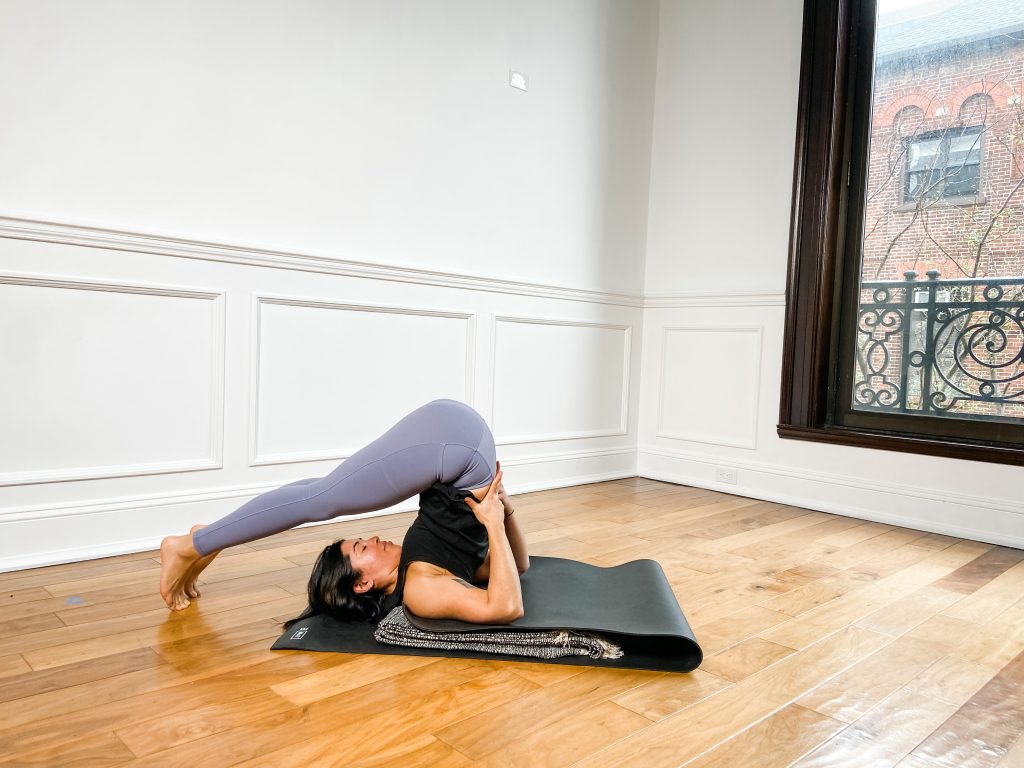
{"x": 941, "y": 347}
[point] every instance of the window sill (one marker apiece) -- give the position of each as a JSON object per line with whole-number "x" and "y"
{"x": 945, "y": 202}
{"x": 888, "y": 441}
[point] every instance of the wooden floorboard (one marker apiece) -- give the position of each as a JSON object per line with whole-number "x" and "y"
{"x": 829, "y": 641}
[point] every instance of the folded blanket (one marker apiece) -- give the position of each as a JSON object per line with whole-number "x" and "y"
{"x": 396, "y": 629}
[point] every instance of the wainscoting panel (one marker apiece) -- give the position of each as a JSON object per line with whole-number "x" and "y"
{"x": 559, "y": 380}
{"x": 181, "y": 379}
{"x": 318, "y": 365}
{"x": 710, "y": 384}
{"x": 105, "y": 379}
{"x": 708, "y": 415}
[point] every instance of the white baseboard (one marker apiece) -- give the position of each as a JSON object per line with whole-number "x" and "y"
{"x": 955, "y": 514}
{"x": 42, "y": 536}
{"x": 55, "y": 534}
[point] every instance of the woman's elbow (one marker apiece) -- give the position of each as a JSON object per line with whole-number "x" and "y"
{"x": 511, "y": 613}
{"x": 524, "y": 566}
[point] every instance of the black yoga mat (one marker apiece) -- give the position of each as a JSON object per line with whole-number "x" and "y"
{"x": 632, "y": 605}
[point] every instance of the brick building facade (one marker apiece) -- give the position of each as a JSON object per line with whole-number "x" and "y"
{"x": 967, "y": 87}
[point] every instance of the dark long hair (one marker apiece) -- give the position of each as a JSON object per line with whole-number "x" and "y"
{"x": 330, "y": 590}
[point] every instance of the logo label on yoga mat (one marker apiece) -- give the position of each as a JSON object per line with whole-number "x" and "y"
{"x": 299, "y": 633}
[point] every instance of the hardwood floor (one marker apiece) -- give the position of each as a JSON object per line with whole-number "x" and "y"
{"x": 828, "y": 641}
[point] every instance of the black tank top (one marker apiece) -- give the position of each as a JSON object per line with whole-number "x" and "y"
{"x": 445, "y": 533}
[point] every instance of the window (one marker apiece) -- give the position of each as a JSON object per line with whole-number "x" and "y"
{"x": 943, "y": 164}
{"x": 905, "y": 314}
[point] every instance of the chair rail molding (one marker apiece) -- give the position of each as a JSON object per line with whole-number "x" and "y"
{"x": 769, "y": 298}
{"x": 92, "y": 236}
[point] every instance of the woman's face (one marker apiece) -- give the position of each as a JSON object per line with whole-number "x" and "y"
{"x": 376, "y": 561}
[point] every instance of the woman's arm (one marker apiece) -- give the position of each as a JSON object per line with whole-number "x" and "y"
{"x": 517, "y": 543}
{"x": 448, "y": 597}
{"x": 516, "y": 539}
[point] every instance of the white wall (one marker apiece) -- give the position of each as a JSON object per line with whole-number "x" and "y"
{"x": 721, "y": 185}
{"x": 721, "y": 164}
{"x": 382, "y": 131}
{"x": 236, "y": 244}
{"x": 238, "y": 240}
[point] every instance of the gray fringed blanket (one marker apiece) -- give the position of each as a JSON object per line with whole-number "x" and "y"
{"x": 396, "y": 629}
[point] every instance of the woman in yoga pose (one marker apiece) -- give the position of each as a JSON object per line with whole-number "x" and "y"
{"x": 465, "y": 531}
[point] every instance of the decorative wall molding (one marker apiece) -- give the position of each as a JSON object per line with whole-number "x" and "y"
{"x": 214, "y": 459}
{"x": 546, "y": 437}
{"x": 259, "y": 300}
{"x": 128, "y": 504}
{"x": 106, "y": 548}
{"x": 959, "y": 530}
{"x": 91, "y": 236}
{"x": 108, "y": 286}
{"x": 827, "y": 478}
{"x": 717, "y": 299}
{"x": 547, "y": 458}
{"x": 77, "y": 554}
{"x": 167, "y": 245}
{"x": 751, "y": 442}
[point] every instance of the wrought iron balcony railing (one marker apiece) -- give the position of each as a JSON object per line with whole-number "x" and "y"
{"x": 941, "y": 347}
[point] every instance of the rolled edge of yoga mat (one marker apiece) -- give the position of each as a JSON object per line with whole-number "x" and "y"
{"x": 631, "y": 604}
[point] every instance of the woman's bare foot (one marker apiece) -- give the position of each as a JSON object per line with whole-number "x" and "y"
{"x": 177, "y": 558}
{"x": 191, "y": 590}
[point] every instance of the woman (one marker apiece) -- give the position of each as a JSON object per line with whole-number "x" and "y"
{"x": 443, "y": 451}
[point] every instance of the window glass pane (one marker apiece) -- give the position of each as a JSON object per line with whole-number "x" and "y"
{"x": 964, "y": 149}
{"x": 915, "y": 185}
{"x": 940, "y": 325}
{"x": 924, "y": 154}
{"x": 962, "y": 180}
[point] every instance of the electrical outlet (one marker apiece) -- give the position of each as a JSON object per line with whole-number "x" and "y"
{"x": 725, "y": 475}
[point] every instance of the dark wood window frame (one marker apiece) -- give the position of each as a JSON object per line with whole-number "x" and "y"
{"x": 833, "y": 111}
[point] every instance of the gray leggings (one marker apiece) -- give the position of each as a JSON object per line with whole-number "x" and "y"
{"x": 443, "y": 441}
